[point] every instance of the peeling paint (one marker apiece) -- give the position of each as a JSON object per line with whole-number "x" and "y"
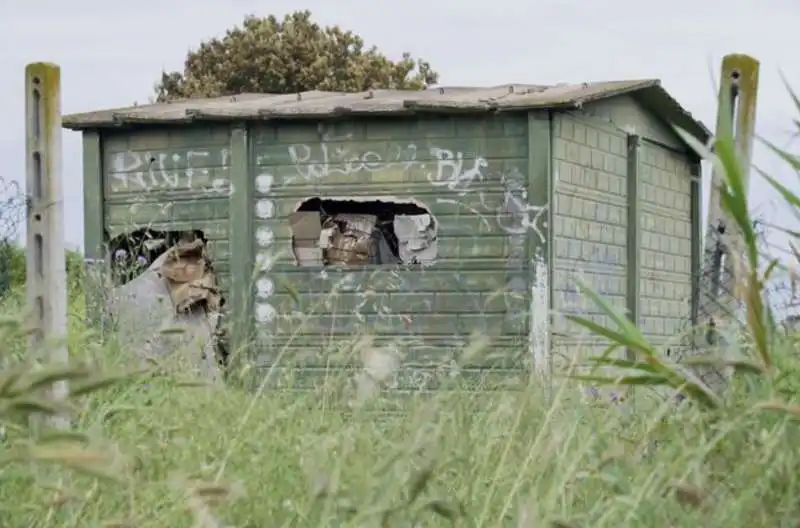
{"x": 496, "y": 194}
{"x": 265, "y": 209}
{"x": 539, "y": 336}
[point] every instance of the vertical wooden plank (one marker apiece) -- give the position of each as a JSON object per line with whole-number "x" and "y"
{"x": 240, "y": 232}
{"x": 46, "y": 263}
{"x": 634, "y": 233}
{"x": 540, "y": 191}
{"x": 697, "y": 236}
{"x": 93, "y": 225}
{"x": 93, "y": 221}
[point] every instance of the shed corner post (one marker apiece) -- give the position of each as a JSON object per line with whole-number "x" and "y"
{"x": 697, "y": 237}
{"x": 94, "y": 249}
{"x": 634, "y": 244}
{"x": 539, "y": 239}
{"x": 240, "y": 234}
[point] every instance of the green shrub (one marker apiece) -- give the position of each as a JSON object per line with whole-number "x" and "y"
{"x": 13, "y": 268}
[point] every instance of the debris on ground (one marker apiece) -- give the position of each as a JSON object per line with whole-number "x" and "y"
{"x": 171, "y": 311}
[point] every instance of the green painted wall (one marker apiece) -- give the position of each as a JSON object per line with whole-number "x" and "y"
{"x": 465, "y": 171}
{"x": 665, "y": 194}
{"x": 590, "y": 230}
{"x": 524, "y": 202}
{"x": 174, "y": 178}
{"x": 624, "y": 205}
{"x": 624, "y": 113}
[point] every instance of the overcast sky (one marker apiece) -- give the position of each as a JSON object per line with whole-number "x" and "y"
{"x": 112, "y": 52}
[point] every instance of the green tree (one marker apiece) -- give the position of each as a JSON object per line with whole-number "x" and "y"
{"x": 267, "y": 55}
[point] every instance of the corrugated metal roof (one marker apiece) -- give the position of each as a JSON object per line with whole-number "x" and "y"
{"x": 321, "y": 105}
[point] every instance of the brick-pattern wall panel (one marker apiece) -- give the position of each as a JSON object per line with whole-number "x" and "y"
{"x": 666, "y": 229}
{"x": 170, "y": 179}
{"x": 464, "y": 170}
{"x": 590, "y": 225}
{"x": 625, "y": 114}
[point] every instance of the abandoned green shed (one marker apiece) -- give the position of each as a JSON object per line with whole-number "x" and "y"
{"x": 419, "y": 218}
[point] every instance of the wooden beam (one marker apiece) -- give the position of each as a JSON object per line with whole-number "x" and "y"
{"x": 634, "y": 247}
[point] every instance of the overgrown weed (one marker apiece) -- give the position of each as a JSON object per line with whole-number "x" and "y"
{"x": 154, "y": 450}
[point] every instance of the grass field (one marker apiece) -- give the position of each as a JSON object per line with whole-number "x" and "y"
{"x": 159, "y": 450}
{"x": 165, "y": 451}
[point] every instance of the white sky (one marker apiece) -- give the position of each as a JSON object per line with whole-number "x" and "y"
{"x": 111, "y": 53}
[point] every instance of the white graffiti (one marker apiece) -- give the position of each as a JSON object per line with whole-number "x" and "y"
{"x": 480, "y": 214}
{"x": 148, "y": 171}
{"x": 451, "y": 173}
{"x": 520, "y": 216}
{"x": 514, "y": 216}
{"x": 342, "y": 161}
{"x": 451, "y": 170}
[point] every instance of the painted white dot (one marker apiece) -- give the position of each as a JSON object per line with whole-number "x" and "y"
{"x": 264, "y": 287}
{"x": 218, "y": 184}
{"x": 265, "y": 261}
{"x": 265, "y": 313}
{"x": 264, "y": 182}
{"x": 265, "y": 209}
{"x": 265, "y": 237}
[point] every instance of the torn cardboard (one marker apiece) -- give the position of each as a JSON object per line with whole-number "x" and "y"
{"x": 190, "y": 281}
{"x": 351, "y": 240}
{"x": 306, "y": 231}
{"x": 416, "y": 238}
{"x": 358, "y": 239}
{"x": 172, "y": 311}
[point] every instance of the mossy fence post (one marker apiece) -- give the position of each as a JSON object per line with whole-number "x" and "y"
{"x": 46, "y": 265}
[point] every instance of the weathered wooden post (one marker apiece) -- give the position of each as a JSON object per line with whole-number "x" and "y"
{"x": 723, "y": 240}
{"x": 46, "y": 263}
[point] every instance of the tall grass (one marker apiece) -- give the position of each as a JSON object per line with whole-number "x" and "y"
{"x": 154, "y": 449}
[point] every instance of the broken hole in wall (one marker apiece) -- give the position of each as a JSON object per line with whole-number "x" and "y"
{"x": 356, "y": 231}
{"x": 149, "y": 266}
{"x": 133, "y": 252}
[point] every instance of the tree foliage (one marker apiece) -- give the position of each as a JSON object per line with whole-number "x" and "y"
{"x": 267, "y": 55}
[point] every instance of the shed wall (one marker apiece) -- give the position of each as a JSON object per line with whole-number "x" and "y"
{"x": 484, "y": 179}
{"x": 469, "y": 172}
{"x": 590, "y": 233}
{"x": 169, "y": 179}
{"x": 625, "y": 221}
{"x": 628, "y": 115}
{"x": 665, "y": 202}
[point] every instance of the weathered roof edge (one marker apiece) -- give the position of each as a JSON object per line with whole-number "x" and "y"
{"x": 660, "y": 102}
{"x": 446, "y": 100}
